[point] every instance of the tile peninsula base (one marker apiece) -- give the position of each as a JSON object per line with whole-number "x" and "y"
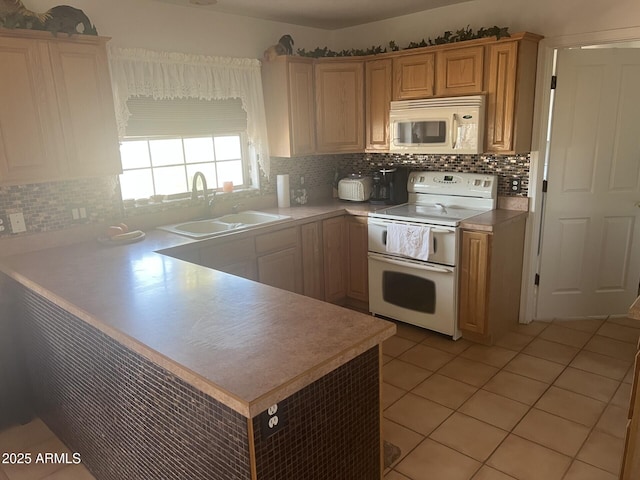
{"x": 130, "y": 418}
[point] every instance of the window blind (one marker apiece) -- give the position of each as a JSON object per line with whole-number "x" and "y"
{"x": 184, "y": 117}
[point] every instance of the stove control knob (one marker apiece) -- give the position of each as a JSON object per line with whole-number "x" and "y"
{"x": 477, "y": 182}
{"x": 487, "y": 183}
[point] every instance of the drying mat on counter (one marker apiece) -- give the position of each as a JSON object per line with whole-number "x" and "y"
{"x": 391, "y": 453}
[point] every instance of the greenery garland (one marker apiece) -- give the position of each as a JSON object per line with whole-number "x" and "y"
{"x": 447, "y": 37}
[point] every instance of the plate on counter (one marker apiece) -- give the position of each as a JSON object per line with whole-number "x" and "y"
{"x": 123, "y": 238}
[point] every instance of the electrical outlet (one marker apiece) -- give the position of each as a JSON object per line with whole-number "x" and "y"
{"x": 515, "y": 184}
{"x": 78, "y": 214}
{"x": 17, "y": 222}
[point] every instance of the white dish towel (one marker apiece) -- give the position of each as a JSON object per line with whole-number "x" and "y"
{"x": 409, "y": 240}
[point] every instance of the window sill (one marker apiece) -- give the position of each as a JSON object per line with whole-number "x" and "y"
{"x": 141, "y": 206}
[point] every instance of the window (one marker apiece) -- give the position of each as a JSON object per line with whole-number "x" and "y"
{"x": 166, "y": 165}
{"x": 168, "y": 141}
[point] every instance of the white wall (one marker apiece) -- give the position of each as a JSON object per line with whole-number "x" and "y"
{"x": 546, "y": 17}
{"x": 173, "y": 28}
{"x": 166, "y": 27}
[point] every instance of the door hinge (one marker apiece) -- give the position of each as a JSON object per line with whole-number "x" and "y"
{"x": 536, "y": 280}
{"x": 554, "y": 82}
{"x": 545, "y": 184}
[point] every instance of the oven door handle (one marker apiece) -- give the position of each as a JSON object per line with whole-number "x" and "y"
{"x": 434, "y": 229}
{"x": 413, "y": 264}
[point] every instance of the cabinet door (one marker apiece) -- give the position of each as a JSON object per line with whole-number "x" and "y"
{"x": 501, "y": 95}
{"x": 358, "y": 268}
{"x": 334, "y": 239}
{"x": 235, "y": 257}
{"x": 339, "y": 106}
{"x": 459, "y": 71}
{"x": 474, "y": 282}
{"x": 30, "y": 139}
{"x": 83, "y": 87}
{"x": 378, "y": 87}
{"x": 413, "y": 76}
{"x": 312, "y": 266}
{"x": 280, "y": 259}
{"x": 302, "y": 108}
{"x": 289, "y": 103}
{"x": 281, "y": 269}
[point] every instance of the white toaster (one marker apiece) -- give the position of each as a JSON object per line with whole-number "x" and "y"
{"x": 355, "y": 188}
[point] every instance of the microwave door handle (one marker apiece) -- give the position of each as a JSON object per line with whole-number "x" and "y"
{"x": 454, "y": 130}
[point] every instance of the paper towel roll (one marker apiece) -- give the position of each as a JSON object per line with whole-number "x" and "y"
{"x": 282, "y": 185}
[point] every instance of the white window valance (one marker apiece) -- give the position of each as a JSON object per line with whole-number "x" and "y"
{"x": 163, "y": 75}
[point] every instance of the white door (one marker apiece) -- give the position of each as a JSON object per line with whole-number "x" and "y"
{"x": 590, "y": 258}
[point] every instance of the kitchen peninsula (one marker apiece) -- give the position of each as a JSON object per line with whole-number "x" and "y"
{"x": 153, "y": 367}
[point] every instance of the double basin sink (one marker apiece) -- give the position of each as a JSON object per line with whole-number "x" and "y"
{"x": 225, "y": 224}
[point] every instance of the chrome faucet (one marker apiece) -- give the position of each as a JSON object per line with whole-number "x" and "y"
{"x": 236, "y": 207}
{"x": 205, "y": 192}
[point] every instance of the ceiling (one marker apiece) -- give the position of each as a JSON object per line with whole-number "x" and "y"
{"x": 327, "y": 14}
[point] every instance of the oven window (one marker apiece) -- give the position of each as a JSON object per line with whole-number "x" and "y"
{"x": 425, "y": 132}
{"x": 409, "y": 291}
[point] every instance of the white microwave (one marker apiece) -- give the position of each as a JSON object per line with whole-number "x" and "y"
{"x": 453, "y": 125}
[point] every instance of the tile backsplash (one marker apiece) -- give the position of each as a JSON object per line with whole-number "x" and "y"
{"x": 47, "y": 206}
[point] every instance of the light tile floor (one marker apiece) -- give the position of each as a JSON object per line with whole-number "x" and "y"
{"x": 548, "y": 402}
{"x": 35, "y": 437}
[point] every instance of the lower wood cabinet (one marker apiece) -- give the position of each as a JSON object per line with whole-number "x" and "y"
{"x": 237, "y": 257}
{"x": 474, "y": 281}
{"x": 325, "y": 259}
{"x": 345, "y": 260}
{"x": 357, "y": 261}
{"x": 334, "y": 240}
{"x": 312, "y": 260}
{"x": 279, "y": 259}
{"x": 490, "y": 278}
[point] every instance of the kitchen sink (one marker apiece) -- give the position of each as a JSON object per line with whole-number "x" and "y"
{"x": 249, "y": 218}
{"x": 203, "y": 227}
{"x": 225, "y": 224}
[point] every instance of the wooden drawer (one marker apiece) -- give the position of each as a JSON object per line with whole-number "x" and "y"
{"x": 280, "y": 240}
{"x": 227, "y": 253}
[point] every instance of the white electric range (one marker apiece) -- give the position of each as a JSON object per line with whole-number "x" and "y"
{"x": 413, "y": 278}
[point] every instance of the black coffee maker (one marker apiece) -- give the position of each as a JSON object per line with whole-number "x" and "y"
{"x": 390, "y": 186}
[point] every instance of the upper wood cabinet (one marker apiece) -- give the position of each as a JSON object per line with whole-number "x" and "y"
{"x": 378, "y": 85}
{"x": 343, "y": 103}
{"x": 339, "y": 105}
{"x": 83, "y": 88}
{"x": 413, "y": 76}
{"x": 459, "y": 71}
{"x": 57, "y": 116}
{"x": 29, "y": 133}
{"x": 290, "y": 105}
{"x": 510, "y": 76}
